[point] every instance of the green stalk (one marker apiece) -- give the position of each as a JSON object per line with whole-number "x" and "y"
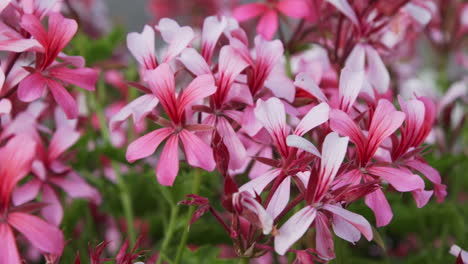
{"x": 183, "y": 240}
{"x": 124, "y": 191}
{"x": 168, "y": 234}
{"x": 244, "y": 260}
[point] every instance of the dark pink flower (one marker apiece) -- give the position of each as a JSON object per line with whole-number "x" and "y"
{"x": 15, "y": 162}
{"x": 50, "y": 73}
{"x": 269, "y": 12}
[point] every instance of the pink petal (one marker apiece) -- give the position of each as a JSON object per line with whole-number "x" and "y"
{"x": 345, "y": 230}
{"x": 45, "y": 237}
{"x": 8, "y": 251}
{"x": 294, "y": 228}
{"x": 247, "y": 201}
{"x": 85, "y": 78}
{"x": 197, "y": 152}
{"x": 268, "y": 24}
{"x": 280, "y": 198}
{"x": 401, "y": 180}
{"x": 213, "y": 27}
{"x": 305, "y": 82}
{"x": 340, "y": 122}
{"x": 77, "y": 187}
{"x": 32, "y": 87}
{"x": 5, "y": 106}
{"x": 4, "y": 4}
{"x": 250, "y": 124}
{"x": 268, "y": 54}
{"x": 294, "y": 8}
{"x": 357, "y": 58}
{"x": 53, "y": 212}
{"x": 421, "y": 197}
{"x": 15, "y": 162}
{"x": 60, "y": 31}
{"x": 63, "y": 138}
{"x": 20, "y": 45}
{"x": 168, "y": 164}
{"x": 237, "y": 152}
{"x": 141, "y": 45}
{"x": 323, "y": 237}
{"x": 432, "y": 175}
{"x": 162, "y": 84}
{"x": 33, "y": 25}
{"x": 199, "y": 88}
{"x": 378, "y": 74}
{"x": 351, "y": 82}
{"x": 26, "y": 192}
{"x": 182, "y": 39}
{"x": 230, "y": 66}
{"x": 63, "y": 98}
{"x": 302, "y": 143}
{"x": 194, "y": 62}
{"x": 346, "y": 9}
{"x": 138, "y": 108}
{"x": 380, "y": 206}
{"x": 333, "y": 152}
{"x": 358, "y": 221}
{"x": 257, "y": 185}
{"x": 147, "y": 144}
{"x": 272, "y": 116}
{"x": 315, "y": 117}
{"x": 385, "y": 121}
{"x": 249, "y": 11}
{"x": 280, "y": 84}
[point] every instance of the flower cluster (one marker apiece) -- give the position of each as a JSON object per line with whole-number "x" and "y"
{"x": 312, "y": 107}
{"x": 231, "y": 105}
{"x": 34, "y": 73}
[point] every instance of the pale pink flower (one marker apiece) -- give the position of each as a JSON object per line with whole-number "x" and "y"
{"x": 162, "y": 85}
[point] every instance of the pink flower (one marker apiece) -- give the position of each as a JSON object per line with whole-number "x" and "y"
{"x": 268, "y": 24}
{"x": 49, "y": 73}
{"x": 162, "y": 85}
{"x": 346, "y": 224}
{"x": 15, "y": 162}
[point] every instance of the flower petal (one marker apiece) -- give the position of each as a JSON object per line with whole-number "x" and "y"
{"x": 63, "y": 98}
{"x": 293, "y": 8}
{"x": 358, "y": 221}
{"x": 138, "y": 108}
{"x": 315, "y": 117}
{"x": 85, "y": 78}
{"x": 63, "y": 138}
{"x": 268, "y": 24}
{"x": 8, "y": 251}
{"x": 249, "y": 11}
{"x": 141, "y": 45}
{"x": 294, "y": 228}
{"x": 147, "y": 144}
{"x": 168, "y": 164}
{"x": 32, "y": 87}
{"x": 45, "y": 237}
{"x": 302, "y": 143}
{"x": 380, "y": 206}
{"x": 197, "y": 152}
{"x": 401, "y": 180}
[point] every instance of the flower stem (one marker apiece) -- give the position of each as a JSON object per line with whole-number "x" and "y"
{"x": 183, "y": 240}
{"x": 124, "y": 192}
{"x": 170, "y": 231}
{"x": 243, "y": 260}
